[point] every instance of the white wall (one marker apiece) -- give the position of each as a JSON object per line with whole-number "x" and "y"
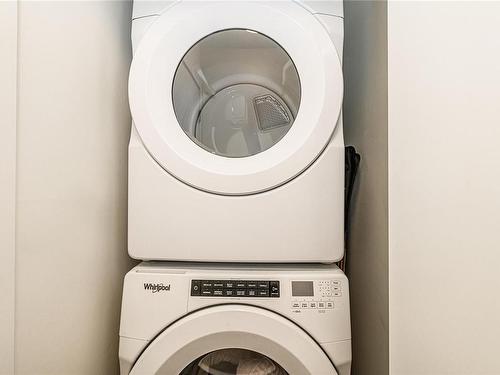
{"x": 8, "y": 96}
{"x": 444, "y": 189}
{"x": 72, "y": 133}
{"x": 365, "y": 125}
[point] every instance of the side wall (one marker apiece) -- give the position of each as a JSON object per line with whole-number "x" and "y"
{"x": 73, "y": 129}
{"x": 365, "y": 124}
{"x": 8, "y": 98}
{"x": 444, "y": 163}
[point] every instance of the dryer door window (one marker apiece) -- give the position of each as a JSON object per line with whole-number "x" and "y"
{"x": 236, "y": 93}
{"x": 233, "y": 362}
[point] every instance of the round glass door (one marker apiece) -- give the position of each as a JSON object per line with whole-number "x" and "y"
{"x": 233, "y": 362}
{"x": 217, "y": 106}
{"x": 236, "y": 93}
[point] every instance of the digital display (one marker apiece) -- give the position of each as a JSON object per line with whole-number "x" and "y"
{"x": 302, "y": 289}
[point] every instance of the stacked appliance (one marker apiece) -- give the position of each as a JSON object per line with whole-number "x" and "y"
{"x": 236, "y": 190}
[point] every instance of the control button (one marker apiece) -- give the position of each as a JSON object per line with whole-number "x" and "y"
{"x": 313, "y": 305}
{"x": 241, "y": 284}
{"x": 321, "y": 305}
{"x": 206, "y": 291}
{"x": 337, "y": 289}
{"x": 263, "y": 292}
{"x": 337, "y": 294}
{"x": 229, "y": 292}
{"x": 304, "y": 305}
{"x": 240, "y": 292}
{"x": 263, "y": 284}
{"x": 218, "y": 284}
{"x": 295, "y": 305}
{"x": 229, "y": 284}
{"x": 195, "y": 287}
{"x": 329, "y": 305}
{"x": 252, "y": 284}
{"x": 336, "y": 282}
{"x": 274, "y": 288}
{"x": 218, "y": 292}
{"x": 251, "y": 293}
{"x": 206, "y": 284}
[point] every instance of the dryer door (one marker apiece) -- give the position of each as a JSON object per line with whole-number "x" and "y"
{"x": 234, "y": 97}
{"x": 233, "y": 340}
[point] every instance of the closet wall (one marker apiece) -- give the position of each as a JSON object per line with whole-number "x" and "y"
{"x": 8, "y": 96}
{"x": 70, "y": 186}
{"x": 444, "y": 185}
{"x": 365, "y": 126}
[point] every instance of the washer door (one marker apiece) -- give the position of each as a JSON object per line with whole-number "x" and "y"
{"x": 233, "y": 340}
{"x": 234, "y": 97}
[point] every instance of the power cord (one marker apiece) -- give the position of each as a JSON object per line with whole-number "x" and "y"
{"x": 352, "y": 160}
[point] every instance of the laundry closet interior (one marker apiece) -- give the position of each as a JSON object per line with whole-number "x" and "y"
{"x": 173, "y": 187}
{"x": 180, "y": 192}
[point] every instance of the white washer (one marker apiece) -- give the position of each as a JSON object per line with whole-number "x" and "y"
{"x": 196, "y": 319}
{"x": 237, "y": 144}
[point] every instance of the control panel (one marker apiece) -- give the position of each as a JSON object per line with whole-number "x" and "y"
{"x": 315, "y": 295}
{"x": 235, "y": 288}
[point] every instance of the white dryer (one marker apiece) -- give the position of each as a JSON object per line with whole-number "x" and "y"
{"x": 237, "y": 144}
{"x": 180, "y": 319}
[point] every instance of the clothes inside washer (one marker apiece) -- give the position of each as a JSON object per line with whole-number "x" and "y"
{"x": 234, "y": 362}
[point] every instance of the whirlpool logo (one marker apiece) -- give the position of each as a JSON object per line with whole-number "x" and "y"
{"x": 156, "y": 288}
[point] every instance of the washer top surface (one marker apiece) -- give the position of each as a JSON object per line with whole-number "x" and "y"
{"x": 230, "y": 101}
{"x": 237, "y": 268}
